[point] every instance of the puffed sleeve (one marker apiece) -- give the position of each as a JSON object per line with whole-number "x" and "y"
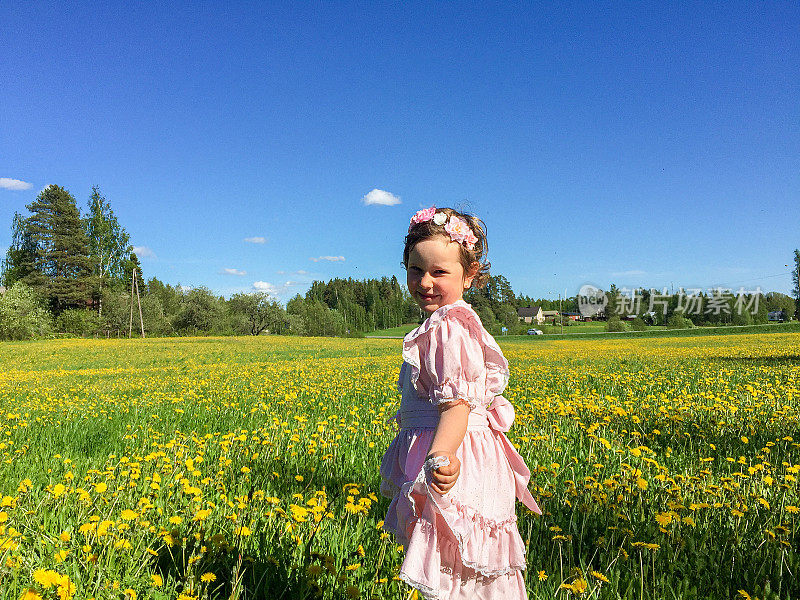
{"x": 454, "y": 359}
{"x": 454, "y": 364}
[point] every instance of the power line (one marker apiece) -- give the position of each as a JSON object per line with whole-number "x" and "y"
{"x": 760, "y": 278}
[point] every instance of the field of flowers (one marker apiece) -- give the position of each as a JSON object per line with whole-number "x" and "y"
{"x": 248, "y": 468}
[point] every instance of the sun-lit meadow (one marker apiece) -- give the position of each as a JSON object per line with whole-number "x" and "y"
{"x": 248, "y": 468}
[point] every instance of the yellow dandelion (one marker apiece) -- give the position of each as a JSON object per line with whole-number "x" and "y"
{"x": 202, "y": 514}
{"x": 208, "y": 577}
{"x": 664, "y": 518}
{"x": 46, "y": 579}
{"x": 66, "y": 589}
{"x": 61, "y": 555}
{"x": 599, "y": 576}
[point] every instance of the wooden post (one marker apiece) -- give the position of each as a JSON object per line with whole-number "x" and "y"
{"x": 141, "y": 320}
{"x": 130, "y": 325}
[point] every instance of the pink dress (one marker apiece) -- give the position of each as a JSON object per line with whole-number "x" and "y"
{"x": 463, "y": 544}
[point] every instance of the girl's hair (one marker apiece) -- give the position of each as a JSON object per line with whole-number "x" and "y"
{"x": 429, "y": 229}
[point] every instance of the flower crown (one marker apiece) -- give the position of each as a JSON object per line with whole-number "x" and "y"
{"x": 458, "y": 229}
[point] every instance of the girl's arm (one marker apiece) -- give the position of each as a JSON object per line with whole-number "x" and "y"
{"x": 447, "y": 438}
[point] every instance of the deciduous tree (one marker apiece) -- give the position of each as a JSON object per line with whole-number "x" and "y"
{"x": 19, "y": 261}
{"x": 109, "y": 244}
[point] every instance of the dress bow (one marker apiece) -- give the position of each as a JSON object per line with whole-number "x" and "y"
{"x": 501, "y": 414}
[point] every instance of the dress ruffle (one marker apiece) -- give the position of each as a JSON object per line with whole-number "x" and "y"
{"x": 447, "y": 541}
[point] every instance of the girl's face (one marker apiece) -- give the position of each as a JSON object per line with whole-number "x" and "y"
{"x": 435, "y": 276}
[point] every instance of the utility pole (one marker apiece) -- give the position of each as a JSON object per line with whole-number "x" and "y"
{"x": 560, "y": 314}
{"x": 135, "y": 286}
{"x": 138, "y": 301}
{"x": 130, "y": 324}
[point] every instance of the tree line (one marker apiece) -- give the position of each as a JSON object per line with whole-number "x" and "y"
{"x": 72, "y": 273}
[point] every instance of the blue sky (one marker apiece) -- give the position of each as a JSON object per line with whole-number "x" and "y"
{"x": 644, "y": 144}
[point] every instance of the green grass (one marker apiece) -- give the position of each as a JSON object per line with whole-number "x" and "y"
{"x": 574, "y": 327}
{"x": 661, "y": 332}
{"x": 394, "y": 331}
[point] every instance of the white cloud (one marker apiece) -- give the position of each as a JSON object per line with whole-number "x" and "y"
{"x": 143, "y": 252}
{"x": 266, "y": 287}
{"x": 14, "y": 184}
{"x": 236, "y": 272}
{"x": 632, "y": 273}
{"x": 328, "y": 258}
{"x": 276, "y": 291}
{"x": 256, "y": 240}
{"x": 381, "y": 197}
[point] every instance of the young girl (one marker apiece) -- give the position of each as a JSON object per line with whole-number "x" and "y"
{"x": 451, "y": 472}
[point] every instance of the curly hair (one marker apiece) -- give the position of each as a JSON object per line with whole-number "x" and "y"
{"x": 468, "y": 258}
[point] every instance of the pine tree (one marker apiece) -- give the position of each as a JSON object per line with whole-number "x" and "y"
{"x": 61, "y": 262}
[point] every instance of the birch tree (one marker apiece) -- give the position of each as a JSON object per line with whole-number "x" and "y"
{"x": 109, "y": 243}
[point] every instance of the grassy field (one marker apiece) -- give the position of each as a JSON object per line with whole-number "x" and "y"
{"x": 248, "y": 467}
{"x": 395, "y": 331}
{"x": 656, "y": 332}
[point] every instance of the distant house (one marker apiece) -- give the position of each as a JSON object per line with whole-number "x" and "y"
{"x": 531, "y": 314}
{"x": 777, "y": 315}
{"x": 552, "y": 315}
{"x": 573, "y": 316}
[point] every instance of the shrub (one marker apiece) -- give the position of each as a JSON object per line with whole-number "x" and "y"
{"x": 615, "y": 324}
{"x": 638, "y": 324}
{"x": 77, "y": 321}
{"x": 678, "y": 321}
{"x": 22, "y": 314}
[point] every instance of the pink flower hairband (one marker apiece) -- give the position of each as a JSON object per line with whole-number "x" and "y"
{"x": 458, "y": 229}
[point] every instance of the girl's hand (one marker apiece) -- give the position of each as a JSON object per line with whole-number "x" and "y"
{"x": 444, "y": 478}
